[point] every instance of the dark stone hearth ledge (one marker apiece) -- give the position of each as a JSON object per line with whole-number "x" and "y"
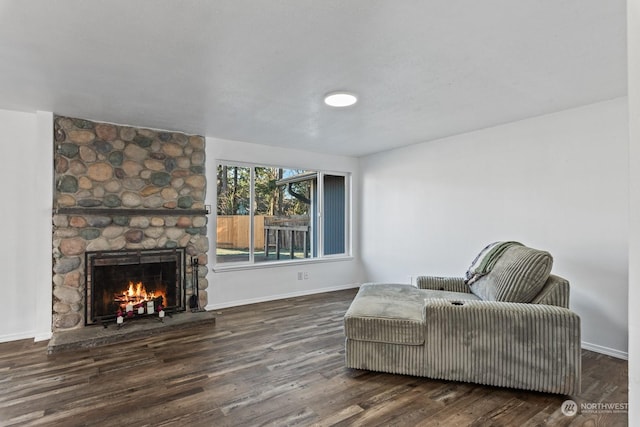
{"x": 95, "y": 336}
{"x": 129, "y": 212}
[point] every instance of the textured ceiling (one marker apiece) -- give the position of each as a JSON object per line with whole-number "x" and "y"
{"x": 256, "y": 71}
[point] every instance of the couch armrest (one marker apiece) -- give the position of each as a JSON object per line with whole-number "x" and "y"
{"x": 554, "y": 292}
{"x": 526, "y": 346}
{"x": 449, "y": 284}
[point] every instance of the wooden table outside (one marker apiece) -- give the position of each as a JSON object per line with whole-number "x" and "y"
{"x": 286, "y": 228}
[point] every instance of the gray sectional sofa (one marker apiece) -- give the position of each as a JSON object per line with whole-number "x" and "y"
{"x": 507, "y": 323}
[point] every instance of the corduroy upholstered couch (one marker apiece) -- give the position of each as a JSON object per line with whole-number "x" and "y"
{"x": 511, "y": 328}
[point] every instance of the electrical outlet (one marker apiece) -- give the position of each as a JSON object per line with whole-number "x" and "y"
{"x": 300, "y": 275}
{"x": 306, "y": 275}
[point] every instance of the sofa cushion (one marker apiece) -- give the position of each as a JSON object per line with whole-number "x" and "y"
{"x": 518, "y": 276}
{"x": 392, "y": 313}
{"x": 387, "y": 313}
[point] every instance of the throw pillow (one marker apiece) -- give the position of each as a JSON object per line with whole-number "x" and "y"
{"x": 518, "y": 276}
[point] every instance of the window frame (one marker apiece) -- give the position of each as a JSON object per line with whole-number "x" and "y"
{"x": 320, "y": 257}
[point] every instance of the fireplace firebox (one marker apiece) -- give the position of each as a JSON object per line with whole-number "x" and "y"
{"x": 133, "y": 282}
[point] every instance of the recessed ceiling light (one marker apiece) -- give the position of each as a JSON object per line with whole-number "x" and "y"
{"x": 340, "y": 99}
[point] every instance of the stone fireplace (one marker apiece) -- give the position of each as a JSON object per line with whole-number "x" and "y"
{"x": 121, "y": 194}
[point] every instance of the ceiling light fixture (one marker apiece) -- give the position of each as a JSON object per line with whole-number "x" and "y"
{"x": 340, "y": 99}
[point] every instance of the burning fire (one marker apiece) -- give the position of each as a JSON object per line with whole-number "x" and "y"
{"x": 137, "y": 294}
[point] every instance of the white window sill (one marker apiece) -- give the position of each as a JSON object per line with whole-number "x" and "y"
{"x": 222, "y": 268}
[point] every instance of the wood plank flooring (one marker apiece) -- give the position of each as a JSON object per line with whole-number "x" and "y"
{"x": 277, "y": 363}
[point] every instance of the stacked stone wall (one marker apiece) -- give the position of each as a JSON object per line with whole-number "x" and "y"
{"x": 120, "y": 187}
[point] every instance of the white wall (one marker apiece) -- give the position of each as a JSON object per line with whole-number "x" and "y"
{"x": 42, "y": 191}
{"x": 557, "y": 182}
{"x": 230, "y": 288}
{"x": 25, "y": 255}
{"x": 633, "y": 46}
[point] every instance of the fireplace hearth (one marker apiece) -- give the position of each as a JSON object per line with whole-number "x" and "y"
{"x": 133, "y": 284}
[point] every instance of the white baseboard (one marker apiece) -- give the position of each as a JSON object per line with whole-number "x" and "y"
{"x": 236, "y": 303}
{"x": 43, "y": 336}
{"x": 606, "y": 350}
{"x": 16, "y": 337}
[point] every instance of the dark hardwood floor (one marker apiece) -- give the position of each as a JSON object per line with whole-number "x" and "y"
{"x": 276, "y": 363}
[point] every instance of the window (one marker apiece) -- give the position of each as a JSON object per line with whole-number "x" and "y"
{"x": 274, "y": 214}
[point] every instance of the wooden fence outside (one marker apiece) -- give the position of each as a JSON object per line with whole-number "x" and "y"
{"x": 233, "y": 231}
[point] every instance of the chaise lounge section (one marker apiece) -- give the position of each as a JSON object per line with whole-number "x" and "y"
{"x": 511, "y": 327}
